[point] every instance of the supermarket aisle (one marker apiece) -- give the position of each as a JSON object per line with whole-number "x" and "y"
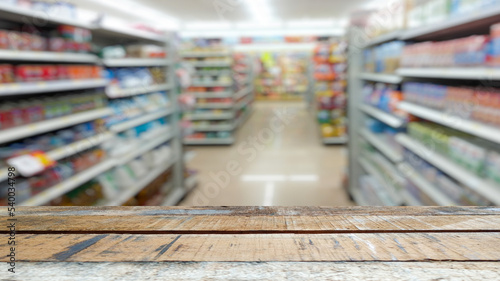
{"x": 278, "y": 160}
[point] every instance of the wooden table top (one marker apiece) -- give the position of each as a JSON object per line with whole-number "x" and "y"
{"x": 254, "y": 243}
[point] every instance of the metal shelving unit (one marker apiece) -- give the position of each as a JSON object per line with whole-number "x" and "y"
{"x": 383, "y": 116}
{"x": 51, "y": 125}
{"x": 240, "y": 93}
{"x": 28, "y": 88}
{"x": 104, "y": 33}
{"x": 381, "y": 77}
{"x": 469, "y": 73}
{"x": 454, "y": 27}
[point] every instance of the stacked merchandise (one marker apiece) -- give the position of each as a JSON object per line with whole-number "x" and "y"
{"x": 129, "y": 108}
{"x": 385, "y": 133}
{"x": 141, "y": 181}
{"x": 62, "y": 9}
{"x": 143, "y": 120}
{"x": 131, "y": 78}
{"x": 460, "y": 194}
{"x": 381, "y": 183}
{"x": 476, "y": 50}
{"x": 243, "y": 98}
{"x": 479, "y": 104}
{"x": 477, "y": 156}
{"x": 384, "y": 58}
{"x": 63, "y": 170}
{"x": 385, "y": 97}
{"x": 66, "y": 39}
{"x": 284, "y": 76}
{"x": 60, "y": 122}
{"x": 330, "y": 76}
{"x": 25, "y": 73}
{"x": 47, "y": 116}
{"x": 452, "y": 165}
{"x": 413, "y": 14}
{"x": 211, "y": 118}
{"x": 21, "y": 112}
{"x": 426, "y": 13}
{"x": 144, "y": 51}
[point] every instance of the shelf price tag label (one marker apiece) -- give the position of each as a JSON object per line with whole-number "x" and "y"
{"x": 31, "y": 164}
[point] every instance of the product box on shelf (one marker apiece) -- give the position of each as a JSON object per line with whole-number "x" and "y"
{"x": 14, "y": 113}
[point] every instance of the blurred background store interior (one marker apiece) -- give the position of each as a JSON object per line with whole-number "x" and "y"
{"x": 250, "y": 102}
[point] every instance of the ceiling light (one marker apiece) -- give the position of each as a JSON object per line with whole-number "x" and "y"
{"x": 136, "y": 9}
{"x": 259, "y": 25}
{"x": 208, "y": 25}
{"x": 324, "y": 23}
{"x": 260, "y": 10}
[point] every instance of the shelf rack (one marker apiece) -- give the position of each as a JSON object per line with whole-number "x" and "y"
{"x": 105, "y": 32}
{"x": 240, "y": 93}
{"x": 433, "y": 192}
{"x": 469, "y": 73}
{"x": 481, "y": 186}
{"x": 383, "y": 116}
{"x": 368, "y": 167}
{"x": 28, "y": 88}
{"x": 137, "y": 186}
{"x": 67, "y": 185}
{"x": 322, "y": 59}
{"x": 454, "y": 27}
{"x": 472, "y": 127}
{"x": 14, "y": 55}
{"x": 33, "y": 129}
{"x": 381, "y": 77}
{"x": 393, "y": 155}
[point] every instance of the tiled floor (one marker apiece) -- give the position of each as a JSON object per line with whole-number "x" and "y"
{"x": 278, "y": 160}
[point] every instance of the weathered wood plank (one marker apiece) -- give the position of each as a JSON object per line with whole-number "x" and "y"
{"x": 253, "y": 219}
{"x": 188, "y": 271}
{"x": 254, "y": 211}
{"x": 258, "y": 247}
{"x": 252, "y": 224}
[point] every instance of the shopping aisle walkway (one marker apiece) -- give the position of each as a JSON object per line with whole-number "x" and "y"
{"x": 277, "y": 160}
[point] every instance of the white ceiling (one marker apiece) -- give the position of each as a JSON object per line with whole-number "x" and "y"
{"x": 184, "y": 12}
{"x": 237, "y": 10}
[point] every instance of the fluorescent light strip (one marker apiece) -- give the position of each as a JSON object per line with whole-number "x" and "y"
{"x": 260, "y": 9}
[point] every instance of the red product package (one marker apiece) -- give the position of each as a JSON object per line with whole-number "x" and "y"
{"x": 6, "y": 118}
{"x": 4, "y": 39}
{"x": 57, "y": 44}
{"x": 6, "y": 73}
{"x": 22, "y": 73}
{"x": 62, "y": 72}
{"x": 25, "y": 42}
{"x": 49, "y": 72}
{"x": 38, "y": 43}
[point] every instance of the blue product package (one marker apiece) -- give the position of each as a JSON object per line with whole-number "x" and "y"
{"x": 385, "y": 100}
{"x": 494, "y": 47}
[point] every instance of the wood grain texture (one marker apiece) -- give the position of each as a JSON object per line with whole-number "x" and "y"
{"x": 258, "y": 247}
{"x": 255, "y": 211}
{"x": 295, "y": 271}
{"x": 143, "y": 220}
